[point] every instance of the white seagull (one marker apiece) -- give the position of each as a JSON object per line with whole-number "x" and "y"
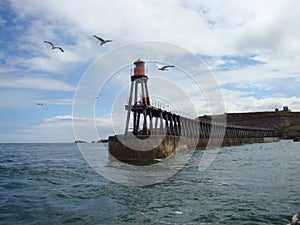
{"x": 163, "y": 68}
{"x": 103, "y": 41}
{"x": 53, "y": 46}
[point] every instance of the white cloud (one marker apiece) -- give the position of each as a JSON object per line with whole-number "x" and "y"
{"x": 2, "y": 21}
{"x": 59, "y": 129}
{"x": 208, "y": 27}
{"x": 87, "y": 128}
{"x": 237, "y": 101}
{"x": 16, "y": 99}
{"x": 253, "y": 74}
{"x": 257, "y": 86}
{"x": 38, "y": 83}
{"x": 267, "y": 29}
{"x": 59, "y": 118}
{"x": 63, "y": 101}
{"x": 205, "y": 26}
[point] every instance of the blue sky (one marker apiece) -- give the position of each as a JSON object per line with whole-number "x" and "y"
{"x": 253, "y": 50}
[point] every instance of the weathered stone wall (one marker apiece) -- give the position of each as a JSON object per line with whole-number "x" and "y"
{"x": 161, "y": 147}
{"x": 263, "y": 119}
{"x": 287, "y": 123}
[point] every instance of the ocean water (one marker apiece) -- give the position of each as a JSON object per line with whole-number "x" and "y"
{"x": 53, "y": 184}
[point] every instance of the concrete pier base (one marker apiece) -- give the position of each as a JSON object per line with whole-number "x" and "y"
{"x": 139, "y": 148}
{"x": 144, "y": 148}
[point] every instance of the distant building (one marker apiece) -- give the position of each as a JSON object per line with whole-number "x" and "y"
{"x": 286, "y": 109}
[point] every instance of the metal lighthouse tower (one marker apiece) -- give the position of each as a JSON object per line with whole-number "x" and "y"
{"x": 138, "y": 99}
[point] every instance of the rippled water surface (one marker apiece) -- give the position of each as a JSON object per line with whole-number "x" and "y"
{"x": 52, "y": 184}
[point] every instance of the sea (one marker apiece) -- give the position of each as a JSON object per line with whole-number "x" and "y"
{"x": 54, "y": 184}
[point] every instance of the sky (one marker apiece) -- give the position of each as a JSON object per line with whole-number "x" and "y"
{"x": 252, "y": 49}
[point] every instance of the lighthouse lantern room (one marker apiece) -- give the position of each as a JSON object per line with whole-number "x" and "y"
{"x": 139, "y": 69}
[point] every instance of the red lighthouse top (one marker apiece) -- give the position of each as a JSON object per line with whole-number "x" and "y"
{"x": 139, "y": 69}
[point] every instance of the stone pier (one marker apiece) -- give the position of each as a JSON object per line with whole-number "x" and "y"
{"x": 129, "y": 148}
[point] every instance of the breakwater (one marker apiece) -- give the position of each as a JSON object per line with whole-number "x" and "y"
{"x": 164, "y": 133}
{"x": 145, "y": 148}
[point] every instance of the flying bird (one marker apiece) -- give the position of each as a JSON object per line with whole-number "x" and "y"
{"x": 103, "y": 41}
{"x": 53, "y": 46}
{"x": 39, "y": 103}
{"x": 163, "y": 68}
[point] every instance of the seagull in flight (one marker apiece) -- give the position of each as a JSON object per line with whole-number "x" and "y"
{"x": 103, "y": 41}
{"x": 163, "y": 68}
{"x": 53, "y": 46}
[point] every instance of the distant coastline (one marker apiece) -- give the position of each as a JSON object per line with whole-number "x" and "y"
{"x": 103, "y": 140}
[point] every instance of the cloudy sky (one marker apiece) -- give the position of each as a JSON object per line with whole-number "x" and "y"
{"x": 251, "y": 47}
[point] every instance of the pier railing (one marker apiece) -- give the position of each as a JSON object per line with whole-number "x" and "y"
{"x": 157, "y": 119}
